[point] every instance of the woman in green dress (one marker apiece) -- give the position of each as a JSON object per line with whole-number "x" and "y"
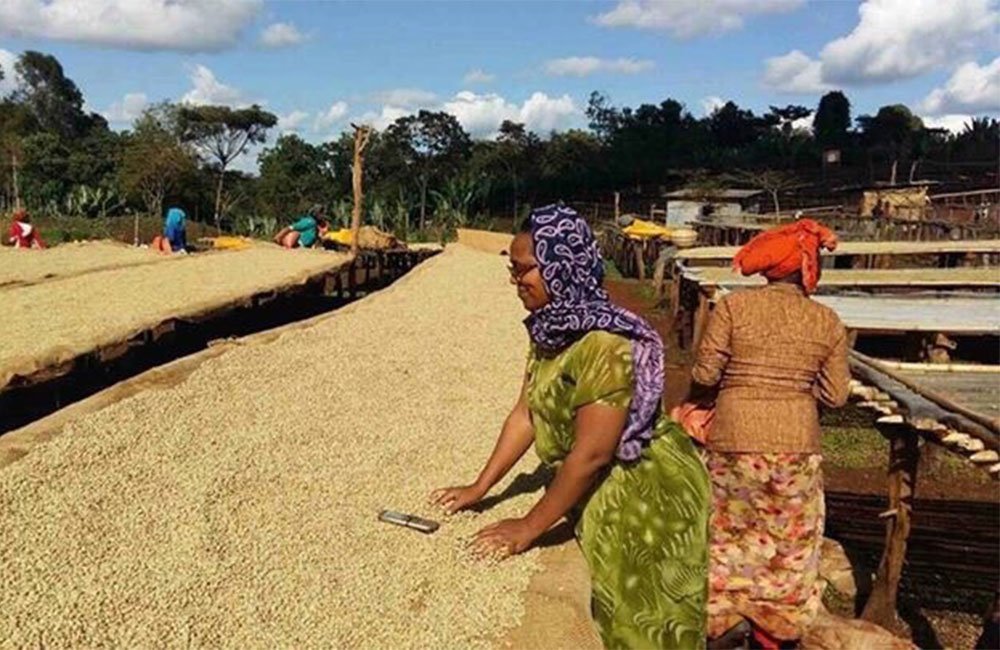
{"x": 628, "y": 476}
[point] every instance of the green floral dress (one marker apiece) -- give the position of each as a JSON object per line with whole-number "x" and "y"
{"x": 644, "y": 527}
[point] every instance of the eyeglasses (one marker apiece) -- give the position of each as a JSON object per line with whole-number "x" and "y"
{"x": 518, "y": 272}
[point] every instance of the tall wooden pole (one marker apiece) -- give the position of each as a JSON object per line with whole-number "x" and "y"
{"x": 17, "y": 193}
{"x": 361, "y": 137}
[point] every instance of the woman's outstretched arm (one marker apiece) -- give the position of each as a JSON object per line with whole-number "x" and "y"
{"x": 515, "y": 439}
{"x": 598, "y": 428}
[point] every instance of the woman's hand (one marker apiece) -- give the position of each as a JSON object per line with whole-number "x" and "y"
{"x": 507, "y": 537}
{"x": 453, "y": 499}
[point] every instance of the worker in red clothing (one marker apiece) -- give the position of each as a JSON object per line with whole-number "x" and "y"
{"x": 22, "y": 233}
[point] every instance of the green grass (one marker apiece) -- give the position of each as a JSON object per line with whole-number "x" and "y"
{"x": 855, "y": 447}
{"x": 58, "y": 229}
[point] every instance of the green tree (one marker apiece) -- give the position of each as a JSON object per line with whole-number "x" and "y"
{"x": 45, "y": 171}
{"x": 50, "y": 95}
{"x": 293, "y": 175}
{"x": 734, "y": 127}
{"x": 432, "y": 144}
{"x": 509, "y": 161}
{"x": 94, "y": 158}
{"x": 979, "y": 140}
{"x": 832, "y": 120}
{"x": 570, "y": 164}
{"x": 894, "y": 130}
{"x": 221, "y": 134}
{"x": 16, "y": 123}
{"x": 154, "y": 161}
{"x": 604, "y": 119}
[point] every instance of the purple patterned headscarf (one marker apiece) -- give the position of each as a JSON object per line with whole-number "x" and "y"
{"x": 573, "y": 272}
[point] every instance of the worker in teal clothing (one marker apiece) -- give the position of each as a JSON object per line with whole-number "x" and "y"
{"x": 306, "y": 230}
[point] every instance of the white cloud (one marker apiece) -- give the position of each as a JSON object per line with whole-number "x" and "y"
{"x": 406, "y": 97}
{"x": 803, "y": 123}
{"x": 328, "y": 118}
{"x": 971, "y": 88}
{"x": 278, "y": 35}
{"x": 951, "y": 122}
{"x": 292, "y": 122}
{"x": 690, "y": 18}
{"x": 481, "y": 114}
{"x": 128, "y": 109}
{"x": 582, "y": 66}
{"x": 10, "y": 80}
{"x": 897, "y": 39}
{"x": 893, "y": 40}
{"x": 478, "y": 76}
{"x": 711, "y": 103}
{"x": 794, "y": 73}
{"x": 543, "y": 113}
{"x": 382, "y": 118}
{"x": 206, "y": 89}
{"x": 189, "y": 26}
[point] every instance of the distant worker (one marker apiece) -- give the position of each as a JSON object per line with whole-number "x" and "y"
{"x": 174, "y": 238}
{"x": 306, "y": 231}
{"x": 22, "y": 233}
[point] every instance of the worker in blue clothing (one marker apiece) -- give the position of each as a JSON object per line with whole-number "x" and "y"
{"x": 174, "y": 238}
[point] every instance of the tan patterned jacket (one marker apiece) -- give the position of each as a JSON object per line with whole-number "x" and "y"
{"x": 772, "y": 352}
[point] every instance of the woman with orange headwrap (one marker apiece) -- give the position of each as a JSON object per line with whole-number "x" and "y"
{"x": 767, "y": 357}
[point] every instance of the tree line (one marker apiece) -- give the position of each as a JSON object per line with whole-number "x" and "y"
{"x": 424, "y": 170}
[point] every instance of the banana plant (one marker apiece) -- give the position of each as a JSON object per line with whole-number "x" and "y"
{"x": 454, "y": 200}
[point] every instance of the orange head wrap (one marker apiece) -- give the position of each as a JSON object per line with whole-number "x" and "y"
{"x": 781, "y": 251}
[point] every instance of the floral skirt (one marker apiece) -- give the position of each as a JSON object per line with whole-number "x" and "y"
{"x": 765, "y": 533}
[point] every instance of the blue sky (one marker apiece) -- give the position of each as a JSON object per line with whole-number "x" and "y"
{"x": 320, "y": 64}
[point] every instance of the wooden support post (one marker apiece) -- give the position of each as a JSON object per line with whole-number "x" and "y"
{"x": 701, "y": 316}
{"x": 617, "y": 206}
{"x": 640, "y": 262}
{"x": 659, "y": 270}
{"x": 904, "y": 454}
{"x": 361, "y": 136}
